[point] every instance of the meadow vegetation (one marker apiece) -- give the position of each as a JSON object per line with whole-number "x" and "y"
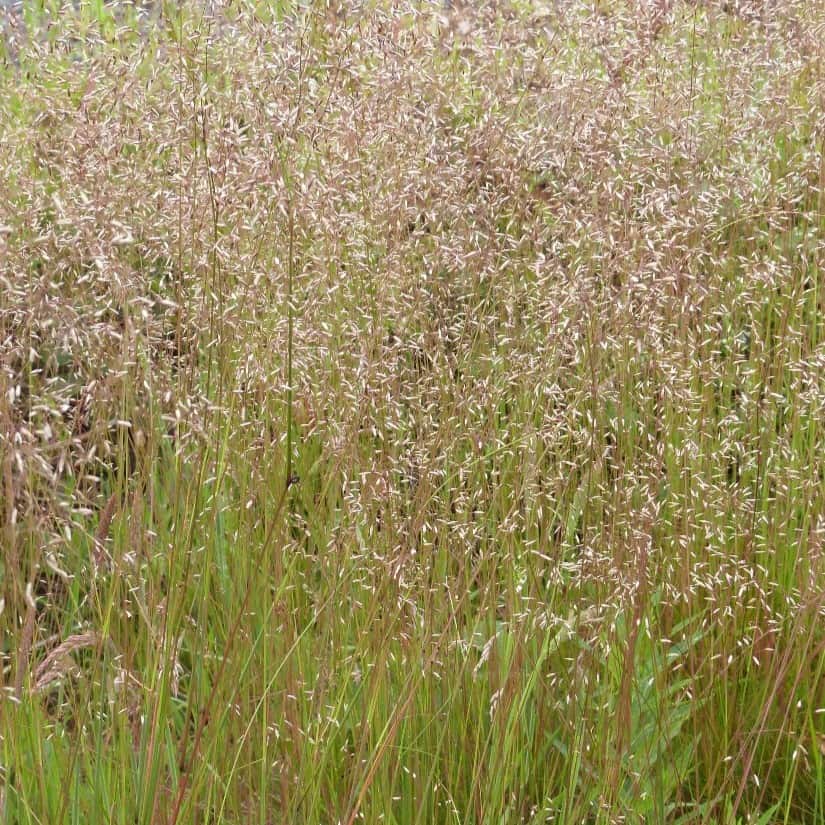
{"x": 412, "y": 414}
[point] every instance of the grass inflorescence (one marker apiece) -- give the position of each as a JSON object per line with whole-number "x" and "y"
{"x": 412, "y": 413}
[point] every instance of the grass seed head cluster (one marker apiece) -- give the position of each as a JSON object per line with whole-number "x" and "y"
{"x": 412, "y": 413}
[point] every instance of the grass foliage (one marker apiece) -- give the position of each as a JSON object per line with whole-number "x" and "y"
{"x": 412, "y": 414}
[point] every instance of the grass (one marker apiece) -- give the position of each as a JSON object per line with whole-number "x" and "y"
{"x": 412, "y": 415}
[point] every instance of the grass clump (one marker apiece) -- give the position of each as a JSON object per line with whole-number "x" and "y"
{"x": 412, "y": 414}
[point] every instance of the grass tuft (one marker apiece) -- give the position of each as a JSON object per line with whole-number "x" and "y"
{"x": 411, "y": 412}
